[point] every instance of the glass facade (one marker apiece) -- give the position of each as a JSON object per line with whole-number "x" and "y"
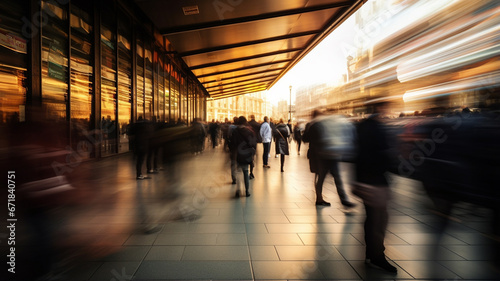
{"x": 81, "y": 76}
{"x": 98, "y": 70}
{"x": 139, "y": 76}
{"x": 124, "y": 81}
{"x": 148, "y": 81}
{"x": 108, "y": 83}
{"x": 14, "y": 64}
{"x": 55, "y": 61}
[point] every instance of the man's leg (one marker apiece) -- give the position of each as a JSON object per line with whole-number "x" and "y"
{"x": 244, "y": 169}
{"x": 334, "y": 170}
{"x": 319, "y": 184}
{"x": 265, "y": 155}
{"x": 376, "y": 222}
{"x": 234, "y": 170}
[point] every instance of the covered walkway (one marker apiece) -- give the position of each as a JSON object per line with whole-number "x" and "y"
{"x": 144, "y": 230}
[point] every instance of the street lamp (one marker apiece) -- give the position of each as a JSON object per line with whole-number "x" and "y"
{"x": 290, "y": 103}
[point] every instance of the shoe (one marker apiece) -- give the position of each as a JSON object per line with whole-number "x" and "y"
{"x": 251, "y": 176}
{"x": 381, "y": 264}
{"x": 247, "y": 194}
{"x": 267, "y": 166}
{"x": 153, "y": 171}
{"x": 141, "y": 177}
{"x": 323, "y": 203}
{"x": 282, "y": 170}
{"x": 237, "y": 195}
{"x": 277, "y": 156}
{"x": 348, "y": 204}
{"x": 233, "y": 182}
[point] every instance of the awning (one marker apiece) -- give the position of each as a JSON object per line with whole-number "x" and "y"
{"x": 237, "y": 47}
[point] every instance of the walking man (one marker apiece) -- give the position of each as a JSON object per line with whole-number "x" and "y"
{"x": 323, "y": 157}
{"x": 266, "y": 134}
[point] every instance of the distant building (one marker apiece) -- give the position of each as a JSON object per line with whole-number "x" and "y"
{"x": 243, "y": 105}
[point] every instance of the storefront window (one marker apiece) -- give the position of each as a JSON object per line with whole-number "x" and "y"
{"x": 148, "y": 78}
{"x": 81, "y": 75}
{"x": 161, "y": 88}
{"x": 167, "y": 68}
{"x": 124, "y": 82}
{"x": 13, "y": 61}
{"x": 55, "y": 61}
{"x": 108, "y": 83}
{"x": 140, "y": 78}
{"x": 174, "y": 101}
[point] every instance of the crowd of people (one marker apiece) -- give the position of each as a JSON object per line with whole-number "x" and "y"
{"x": 332, "y": 138}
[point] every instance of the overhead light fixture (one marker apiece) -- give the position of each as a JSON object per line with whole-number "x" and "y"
{"x": 191, "y": 10}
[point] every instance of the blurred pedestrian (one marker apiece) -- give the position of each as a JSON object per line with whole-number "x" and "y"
{"x": 153, "y": 149}
{"x": 256, "y": 129}
{"x": 281, "y": 136}
{"x": 372, "y": 163}
{"x": 199, "y": 135}
{"x": 273, "y": 130}
{"x": 232, "y": 149}
{"x": 323, "y": 155}
{"x": 213, "y": 130}
{"x": 224, "y": 128}
{"x": 245, "y": 145}
{"x": 298, "y": 130}
{"x": 266, "y": 134}
{"x": 140, "y": 133}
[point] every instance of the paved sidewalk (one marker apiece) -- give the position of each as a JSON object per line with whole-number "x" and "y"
{"x": 148, "y": 230}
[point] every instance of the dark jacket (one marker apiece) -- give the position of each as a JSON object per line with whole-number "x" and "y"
{"x": 281, "y": 136}
{"x": 141, "y": 133}
{"x": 297, "y": 133}
{"x": 373, "y": 158}
{"x": 256, "y": 129}
{"x": 245, "y": 144}
{"x": 312, "y": 136}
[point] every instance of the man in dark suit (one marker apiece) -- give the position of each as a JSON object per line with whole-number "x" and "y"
{"x": 373, "y": 162}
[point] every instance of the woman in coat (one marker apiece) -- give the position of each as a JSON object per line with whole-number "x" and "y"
{"x": 281, "y": 136}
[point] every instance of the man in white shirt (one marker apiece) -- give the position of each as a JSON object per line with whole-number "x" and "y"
{"x": 266, "y": 134}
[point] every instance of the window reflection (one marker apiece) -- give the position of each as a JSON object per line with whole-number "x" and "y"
{"x": 108, "y": 86}
{"x": 54, "y": 61}
{"x": 81, "y": 96}
{"x": 124, "y": 82}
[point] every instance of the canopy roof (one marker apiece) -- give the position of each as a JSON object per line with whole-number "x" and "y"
{"x": 238, "y": 47}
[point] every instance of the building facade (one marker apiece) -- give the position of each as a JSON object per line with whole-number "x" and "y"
{"x": 244, "y": 105}
{"x": 94, "y": 67}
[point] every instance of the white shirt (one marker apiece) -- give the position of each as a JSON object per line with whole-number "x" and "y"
{"x": 265, "y": 132}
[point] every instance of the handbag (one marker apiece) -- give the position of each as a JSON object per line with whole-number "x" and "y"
{"x": 372, "y": 195}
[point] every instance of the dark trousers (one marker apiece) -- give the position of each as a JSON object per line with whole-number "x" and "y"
{"x": 375, "y": 226}
{"x": 214, "y": 140}
{"x": 140, "y": 160}
{"x": 152, "y": 159}
{"x": 265, "y": 155}
{"x": 246, "y": 179}
{"x": 331, "y": 166}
